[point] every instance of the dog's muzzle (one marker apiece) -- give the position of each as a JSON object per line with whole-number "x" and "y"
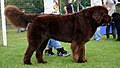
{"x": 106, "y": 20}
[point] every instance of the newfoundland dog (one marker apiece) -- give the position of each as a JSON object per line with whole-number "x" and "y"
{"x": 76, "y": 28}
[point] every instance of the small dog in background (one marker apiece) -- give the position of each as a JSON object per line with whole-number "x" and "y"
{"x": 116, "y": 20}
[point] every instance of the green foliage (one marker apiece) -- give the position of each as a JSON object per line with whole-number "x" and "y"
{"x": 118, "y": 7}
{"x": 62, "y": 4}
{"x": 30, "y": 6}
{"x": 37, "y": 6}
{"x": 100, "y": 54}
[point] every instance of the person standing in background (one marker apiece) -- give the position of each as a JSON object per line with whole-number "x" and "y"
{"x": 111, "y": 6}
{"x": 69, "y": 7}
{"x": 97, "y": 35}
{"x": 77, "y": 6}
{"x": 51, "y": 7}
{"x": 52, "y": 43}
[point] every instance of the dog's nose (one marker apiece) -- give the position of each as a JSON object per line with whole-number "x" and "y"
{"x": 107, "y": 18}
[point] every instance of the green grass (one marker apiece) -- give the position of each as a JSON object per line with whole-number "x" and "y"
{"x": 102, "y": 54}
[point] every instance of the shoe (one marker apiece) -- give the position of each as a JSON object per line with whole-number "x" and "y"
{"x": 49, "y": 52}
{"x": 118, "y": 40}
{"x": 97, "y": 39}
{"x": 62, "y": 52}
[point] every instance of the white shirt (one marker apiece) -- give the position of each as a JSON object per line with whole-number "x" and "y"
{"x": 109, "y": 4}
{"x": 96, "y": 2}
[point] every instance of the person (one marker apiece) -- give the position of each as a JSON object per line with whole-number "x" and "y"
{"x": 51, "y": 9}
{"x": 111, "y": 6}
{"x": 77, "y": 6}
{"x": 116, "y": 20}
{"x": 69, "y": 7}
{"x": 97, "y": 35}
{"x": 57, "y": 46}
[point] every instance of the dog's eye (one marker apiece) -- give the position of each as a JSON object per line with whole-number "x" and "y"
{"x": 103, "y": 13}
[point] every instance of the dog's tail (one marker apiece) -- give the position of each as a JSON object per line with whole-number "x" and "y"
{"x": 17, "y": 17}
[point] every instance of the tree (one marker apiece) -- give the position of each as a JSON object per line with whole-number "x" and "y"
{"x": 30, "y": 6}
{"x": 37, "y": 6}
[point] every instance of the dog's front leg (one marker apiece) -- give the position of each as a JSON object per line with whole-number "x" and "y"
{"x": 78, "y": 50}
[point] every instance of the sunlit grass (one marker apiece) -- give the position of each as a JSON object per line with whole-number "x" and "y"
{"x": 100, "y": 54}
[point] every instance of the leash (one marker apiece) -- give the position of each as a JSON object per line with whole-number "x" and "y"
{"x": 27, "y": 26}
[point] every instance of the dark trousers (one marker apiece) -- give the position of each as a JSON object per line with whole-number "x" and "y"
{"x": 117, "y": 25}
{"x": 108, "y": 30}
{"x": 118, "y": 36}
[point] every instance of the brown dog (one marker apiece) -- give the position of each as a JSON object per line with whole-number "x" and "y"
{"x": 76, "y": 28}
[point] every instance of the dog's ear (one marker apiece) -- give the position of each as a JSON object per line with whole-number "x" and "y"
{"x": 96, "y": 16}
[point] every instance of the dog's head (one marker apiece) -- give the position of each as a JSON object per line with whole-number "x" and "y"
{"x": 100, "y": 15}
{"x": 115, "y": 16}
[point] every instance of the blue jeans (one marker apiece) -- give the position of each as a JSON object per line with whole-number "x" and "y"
{"x": 97, "y": 35}
{"x": 53, "y": 43}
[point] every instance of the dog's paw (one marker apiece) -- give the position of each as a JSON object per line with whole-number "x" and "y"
{"x": 82, "y": 60}
{"x": 27, "y": 63}
{"x": 42, "y": 62}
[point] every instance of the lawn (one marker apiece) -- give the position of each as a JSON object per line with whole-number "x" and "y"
{"x": 102, "y": 54}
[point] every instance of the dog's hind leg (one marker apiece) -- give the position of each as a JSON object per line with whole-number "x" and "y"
{"x": 33, "y": 43}
{"x": 78, "y": 50}
{"x": 28, "y": 54}
{"x": 39, "y": 51}
{"x": 38, "y": 44}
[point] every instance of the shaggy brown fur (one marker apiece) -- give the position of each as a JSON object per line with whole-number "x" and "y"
{"x": 76, "y": 28}
{"x": 17, "y": 17}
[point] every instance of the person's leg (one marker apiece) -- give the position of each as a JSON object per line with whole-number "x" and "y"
{"x": 60, "y": 50}
{"x": 118, "y": 35}
{"x": 117, "y": 25}
{"x": 97, "y": 35}
{"x": 48, "y": 50}
{"x": 113, "y": 30}
{"x": 118, "y": 39}
{"x": 57, "y": 46}
{"x": 107, "y": 31}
